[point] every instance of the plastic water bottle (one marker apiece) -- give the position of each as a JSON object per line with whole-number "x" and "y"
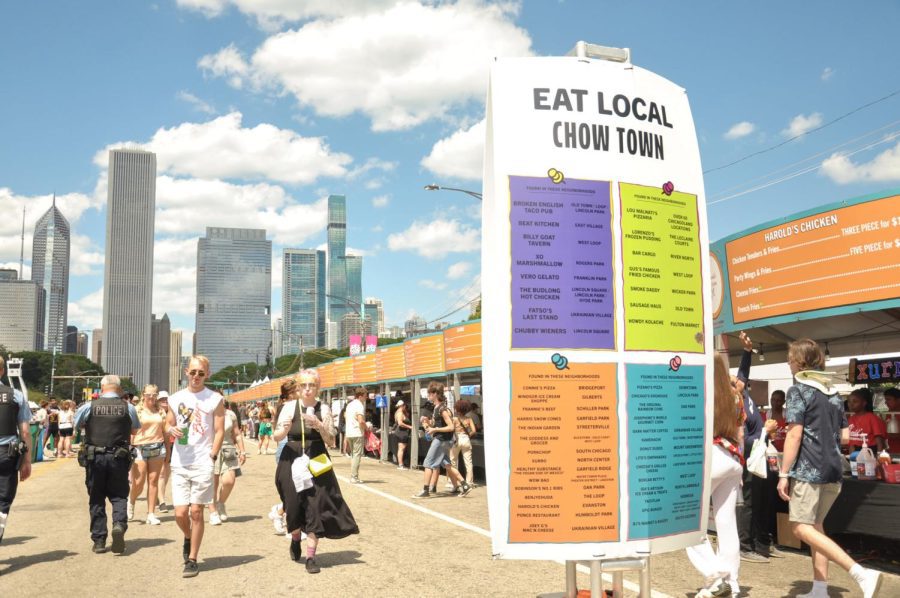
{"x": 865, "y": 462}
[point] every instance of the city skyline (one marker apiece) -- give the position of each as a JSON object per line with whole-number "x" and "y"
{"x": 254, "y": 126}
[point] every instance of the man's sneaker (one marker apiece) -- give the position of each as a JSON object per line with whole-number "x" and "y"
{"x": 191, "y": 569}
{"x": 355, "y": 480}
{"x": 774, "y": 553}
{"x": 118, "y": 538}
{"x": 99, "y": 546}
{"x": 152, "y": 519}
{"x": 3, "y": 518}
{"x": 214, "y": 519}
{"x": 130, "y": 511}
{"x": 295, "y": 550}
{"x": 163, "y": 507}
{"x": 719, "y": 588}
{"x": 186, "y": 550}
{"x": 401, "y": 468}
{"x": 870, "y": 583}
{"x": 223, "y": 514}
{"x": 276, "y": 521}
{"x": 751, "y": 556}
{"x": 422, "y": 494}
{"x": 311, "y": 566}
{"x": 465, "y": 490}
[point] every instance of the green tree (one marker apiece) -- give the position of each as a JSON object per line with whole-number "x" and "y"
{"x": 37, "y": 367}
{"x": 476, "y": 315}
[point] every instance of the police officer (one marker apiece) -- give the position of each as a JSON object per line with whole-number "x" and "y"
{"x": 15, "y": 445}
{"x": 106, "y": 456}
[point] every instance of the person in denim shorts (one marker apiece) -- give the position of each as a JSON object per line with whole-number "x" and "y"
{"x": 440, "y": 427}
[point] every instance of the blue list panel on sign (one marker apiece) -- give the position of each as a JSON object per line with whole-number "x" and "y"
{"x": 665, "y": 446}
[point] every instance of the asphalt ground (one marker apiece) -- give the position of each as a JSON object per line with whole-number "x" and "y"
{"x": 434, "y": 547}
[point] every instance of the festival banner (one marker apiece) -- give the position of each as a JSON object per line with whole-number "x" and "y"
{"x": 596, "y": 338}
{"x": 371, "y": 343}
{"x": 355, "y": 344}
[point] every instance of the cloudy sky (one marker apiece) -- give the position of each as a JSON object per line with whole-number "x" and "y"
{"x": 259, "y": 109}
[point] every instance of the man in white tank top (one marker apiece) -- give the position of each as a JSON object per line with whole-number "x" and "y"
{"x": 196, "y": 420}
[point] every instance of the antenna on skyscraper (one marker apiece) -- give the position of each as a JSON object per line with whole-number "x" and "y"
{"x": 22, "y": 253}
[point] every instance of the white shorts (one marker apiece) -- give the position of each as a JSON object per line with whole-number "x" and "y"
{"x": 192, "y": 486}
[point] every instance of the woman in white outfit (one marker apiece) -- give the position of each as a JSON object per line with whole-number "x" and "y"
{"x": 720, "y": 569}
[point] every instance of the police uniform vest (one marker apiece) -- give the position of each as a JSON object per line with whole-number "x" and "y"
{"x": 109, "y": 424}
{"x": 9, "y": 412}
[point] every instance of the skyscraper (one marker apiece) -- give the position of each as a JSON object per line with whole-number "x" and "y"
{"x": 19, "y": 307}
{"x": 97, "y": 345}
{"x": 71, "y": 344}
{"x": 278, "y": 337}
{"x": 303, "y": 300}
{"x": 374, "y": 308}
{"x": 354, "y": 302}
{"x": 128, "y": 276}
{"x": 337, "y": 249}
{"x": 50, "y": 270}
{"x": 175, "y": 337}
{"x": 234, "y": 296}
{"x": 160, "y": 343}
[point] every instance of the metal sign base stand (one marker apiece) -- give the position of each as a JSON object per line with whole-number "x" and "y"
{"x": 615, "y": 566}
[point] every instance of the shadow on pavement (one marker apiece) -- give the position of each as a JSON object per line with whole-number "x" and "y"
{"x": 341, "y": 557}
{"x": 20, "y": 562}
{"x": 242, "y": 518}
{"x": 132, "y": 546}
{"x": 802, "y": 587}
{"x": 16, "y": 540}
{"x": 224, "y": 562}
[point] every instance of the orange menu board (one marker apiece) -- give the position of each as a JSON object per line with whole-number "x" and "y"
{"x": 462, "y": 346}
{"x": 424, "y": 354}
{"x": 838, "y": 257}
{"x": 364, "y": 368}
{"x": 343, "y": 371}
{"x": 564, "y": 461}
{"x": 390, "y": 362}
{"x": 326, "y": 375}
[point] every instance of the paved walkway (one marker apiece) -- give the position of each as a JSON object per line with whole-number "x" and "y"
{"x": 436, "y": 547}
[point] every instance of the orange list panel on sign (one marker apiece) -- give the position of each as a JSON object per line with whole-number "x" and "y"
{"x": 364, "y": 368}
{"x": 564, "y": 465}
{"x": 343, "y": 372}
{"x": 326, "y": 375}
{"x": 462, "y": 346}
{"x": 839, "y": 257}
{"x": 424, "y": 355}
{"x": 390, "y": 362}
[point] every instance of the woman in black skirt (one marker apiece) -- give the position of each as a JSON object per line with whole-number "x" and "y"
{"x": 320, "y": 511}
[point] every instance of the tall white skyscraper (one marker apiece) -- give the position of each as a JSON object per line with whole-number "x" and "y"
{"x": 50, "y": 270}
{"x": 234, "y": 296}
{"x": 374, "y": 310}
{"x": 128, "y": 277}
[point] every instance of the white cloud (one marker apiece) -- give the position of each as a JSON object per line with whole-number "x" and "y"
{"x": 377, "y": 228}
{"x": 884, "y": 168}
{"x": 430, "y": 284}
{"x": 827, "y": 73}
{"x": 436, "y": 239}
{"x": 458, "y": 270}
{"x": 381, "y": 201}
{"x": 271, "y": 13}
{"x": 801, "y": 124}
{"x": 85, "y": 258}
{"x": 223, "y": 148}
{"x": 460, "y": 156}
{"x": 741, "y": 129}
{"x": 196, "y": 102}
{"x": 400, "y": 66}
{"x": 87, "y": 312}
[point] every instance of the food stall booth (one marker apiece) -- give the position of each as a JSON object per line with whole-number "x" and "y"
{"x": 830, "y": 274}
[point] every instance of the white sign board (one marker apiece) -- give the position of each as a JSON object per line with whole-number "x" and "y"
{"x": 597, "y": 345}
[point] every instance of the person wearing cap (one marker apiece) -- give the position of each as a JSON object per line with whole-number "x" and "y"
{"x": 15, "y": 461}
{"x": 403, "y": 431}
{"x": 109, "y": 423}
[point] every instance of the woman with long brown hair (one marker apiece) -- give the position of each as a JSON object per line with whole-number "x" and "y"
{"x": 720, "y": 568}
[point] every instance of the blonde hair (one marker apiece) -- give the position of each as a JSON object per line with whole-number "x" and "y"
{"x": 203, "y": 359}
{"x": 807, "y": 354}
{"x": 725, "y": 410}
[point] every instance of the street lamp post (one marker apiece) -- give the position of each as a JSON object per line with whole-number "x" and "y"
{"x": 436, "y": 187}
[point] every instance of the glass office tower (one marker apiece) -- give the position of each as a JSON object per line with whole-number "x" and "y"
{"x": 303, "y": 300}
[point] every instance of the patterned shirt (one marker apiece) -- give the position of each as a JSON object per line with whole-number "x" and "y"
{"x": 822, "y": 417}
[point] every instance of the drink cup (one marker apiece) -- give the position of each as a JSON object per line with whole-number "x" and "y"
{"x": 184, "y": 435}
